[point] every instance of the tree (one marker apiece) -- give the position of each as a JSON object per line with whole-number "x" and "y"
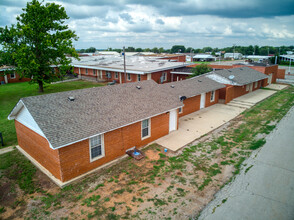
{"x": 200, "y": 69}
{"x": 130, "y": 49}
{"x": 90, "y": 50}
{"x": 178, "y": 49}
{"x": 155, "y": 50}
{"x": 139, "y": 49}
{"x": 39, "y": 41}
{"x": 189, "y": 50}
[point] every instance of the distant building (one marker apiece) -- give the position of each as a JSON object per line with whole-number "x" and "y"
{"x": 138, "y": 68}
{"x": 112, "y": 53}
{"x": 235, "y": 56}
{"x": 204, "y": 57}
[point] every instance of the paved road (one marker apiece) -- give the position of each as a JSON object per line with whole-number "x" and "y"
{"x": 266, "y": 191}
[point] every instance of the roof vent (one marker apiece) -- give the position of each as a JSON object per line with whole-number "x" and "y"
{"x": 173, "y": 86}
{"x": 71, "y": 98}
{"x": 230, "y": 70}
{"x": 138, "y": 87}
{"x": 199, "y": 80}
{"x": 182, "y": 98}
{"x": 231, "y": 77}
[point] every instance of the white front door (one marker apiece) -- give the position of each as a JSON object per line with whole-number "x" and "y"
{"x": 202, "y": 101}
{"x": 250, "y": 87}
{"x": 173, "y": 120}
{"x": 269, "y": 80}
{"x": 149, "y": 76}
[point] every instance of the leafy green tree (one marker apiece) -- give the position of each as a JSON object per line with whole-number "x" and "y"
{"x": 189, "y": 50}
{"x": 139, "y": 49}
{"x": 178, "y": 49}
{"x": 207, "y": 49}
{"x": 155, "y": 50}
{"x": 90, "y": 50}
{"x": 200, "y": 69}
{"x": 130, "y": 49}
{"x": 161, "y": 50}
{"x": 39, "y": 40}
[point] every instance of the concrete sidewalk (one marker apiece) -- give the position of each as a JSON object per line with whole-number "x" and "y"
{"x": 276, "y": 86}
{"x": 266, "y": 190}
{"x": 196, "y": 124}
{"x": 199, "y": 123}
{"x": 6, "y": 150}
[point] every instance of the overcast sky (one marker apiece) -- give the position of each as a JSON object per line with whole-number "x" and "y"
{"x": 164, "y": 23}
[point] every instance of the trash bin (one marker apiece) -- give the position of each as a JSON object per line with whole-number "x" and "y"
{"x": 2, "y": 82}
{"x": 1, "y": 139}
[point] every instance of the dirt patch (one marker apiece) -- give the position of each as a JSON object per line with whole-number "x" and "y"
{"x": 152, "y": 155}
{"x": 7, "y": 195}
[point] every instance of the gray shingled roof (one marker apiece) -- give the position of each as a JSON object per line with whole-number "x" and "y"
{"x": 97, "y": 110}
{"x": 242, "y": 75}
{"x": 193, "y": 86}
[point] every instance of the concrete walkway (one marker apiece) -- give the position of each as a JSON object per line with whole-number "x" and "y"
{"x": 276, "y": 86}
{"x": 266, "y": 191}
{"x": 199, "y": 123}
{"x": 6, "y": 150}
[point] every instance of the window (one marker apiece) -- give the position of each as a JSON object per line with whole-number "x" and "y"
{"x": 96, "y": 147}
{"x": 145, "y": 128}
{"x": 212, "y": 95}
{"x": 164, "y": 76}
{"x": 116, "y": 75}
{"x": 86, "y": 71}
{"x": 247, "y": 87}
{"x": 181, "y": 110}
{"x": 256, "y": 83}
{"x": 139, "y": 77}
{"x": 12, "y": 75}
{"x": 108, "y": 75}
{"x": 94, "y": 72}
{"x": 129, "y": 77}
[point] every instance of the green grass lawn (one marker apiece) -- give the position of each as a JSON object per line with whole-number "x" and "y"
{"x": 12, "y": 92}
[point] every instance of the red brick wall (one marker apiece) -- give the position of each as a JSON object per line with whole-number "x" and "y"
{"x": 2, "y": 78}
{"x": 75, "y": 159}
{"x": 190, "y": 105}
{"x": 281, "y": 74}
{"x": 267, "y": 70}
{"x": 207, "y": 98}
{"x": 174, "y": 77}
{"x": 156, "y": 76}
{"x": 231, "y": 92}
{"x": 222, "y": 93}
{"x": 16, "y": 79}
{"x": 38, "y": 147}
{"x": 179, "y": 58}
{"x": 134, "y": 77}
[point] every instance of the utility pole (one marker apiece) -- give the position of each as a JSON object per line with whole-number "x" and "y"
{"x": 125, "y": 65}
{"x": 289, "y": 66}
{"x": 234, "y": 51}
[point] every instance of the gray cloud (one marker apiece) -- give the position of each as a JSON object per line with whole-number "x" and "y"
{"x": 159, "y": 21}
{"x": 224, "y": 8}
{"x": 163, "y": 23}
{"x": 126, "y": 17}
